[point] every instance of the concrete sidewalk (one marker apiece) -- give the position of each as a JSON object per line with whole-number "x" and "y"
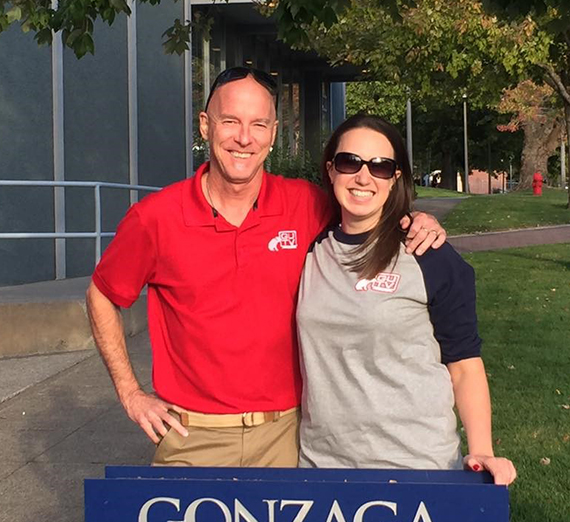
{"x": 511, "y": 238}
{"x": 440, "y": 207}
{"x": 57, "y": 432}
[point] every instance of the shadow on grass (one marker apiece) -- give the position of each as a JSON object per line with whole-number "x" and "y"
{"x": 564, "y": 263}
{"x": 523, "y": 511}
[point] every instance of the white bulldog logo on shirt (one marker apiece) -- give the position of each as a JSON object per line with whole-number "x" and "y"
{"x": 386, "y": 283}
{"x": 286, "y": 239}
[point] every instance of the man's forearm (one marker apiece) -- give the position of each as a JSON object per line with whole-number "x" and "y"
{"x": 107, "y": 328}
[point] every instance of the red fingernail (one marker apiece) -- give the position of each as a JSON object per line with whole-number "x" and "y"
{"x": 476, "y": 467}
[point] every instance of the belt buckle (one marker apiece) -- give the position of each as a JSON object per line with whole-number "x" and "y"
{"x": 247, "y": 419}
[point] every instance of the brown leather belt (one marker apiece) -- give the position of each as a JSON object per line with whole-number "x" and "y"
{"x": 231, "y": 420}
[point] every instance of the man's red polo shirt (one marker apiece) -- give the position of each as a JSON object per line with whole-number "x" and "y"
{"x": 221, "y": 299}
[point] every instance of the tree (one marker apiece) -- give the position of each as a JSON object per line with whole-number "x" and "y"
{"x": 553, "y": 19}
{"x": 438, "y": 129}
{"x": 537, "y": 113}
{"x": 439, "y": 145}
{"x": 437, "y": 51}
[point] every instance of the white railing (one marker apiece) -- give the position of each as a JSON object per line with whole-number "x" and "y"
{"x": 98, "y": 234}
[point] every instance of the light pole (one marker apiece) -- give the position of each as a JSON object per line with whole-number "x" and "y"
{"x": 409, "y": 141}
{"x": 562, "y": 162}
{"x": 465, "y": 146}
{"x": 511, "y": 157}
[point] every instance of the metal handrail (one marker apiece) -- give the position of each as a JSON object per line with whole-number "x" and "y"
{"x": 98, "y": 234}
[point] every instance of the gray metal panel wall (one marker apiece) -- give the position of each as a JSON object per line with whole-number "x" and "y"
{"x": 312, "y": 114}
{"x": 26, "y": 152}
{"x": 338, "y": 104}
{"x": 96, "y": 138}
{"x": 160, "y": 99}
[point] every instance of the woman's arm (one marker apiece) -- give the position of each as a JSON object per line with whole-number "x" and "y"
{"x": 474, "y": 406}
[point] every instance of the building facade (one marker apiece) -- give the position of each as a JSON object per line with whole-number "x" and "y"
{"x": 129, "y": 115}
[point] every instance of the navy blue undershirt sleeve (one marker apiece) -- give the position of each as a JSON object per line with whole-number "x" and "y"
{"x": 450, "y": 286}
{"x": 320, "y": 238}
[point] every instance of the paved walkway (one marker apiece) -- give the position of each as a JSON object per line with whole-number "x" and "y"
{"x": 60, "y": 421}
{"x": 440, "y": 207}
{"x": 62, "y": 430}
{"x": 511, "y": 239}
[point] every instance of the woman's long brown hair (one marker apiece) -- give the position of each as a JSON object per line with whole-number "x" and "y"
{"x": 383, "y": 243}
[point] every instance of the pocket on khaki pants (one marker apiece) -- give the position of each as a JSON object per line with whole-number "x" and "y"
{"x": 163, "y": 448}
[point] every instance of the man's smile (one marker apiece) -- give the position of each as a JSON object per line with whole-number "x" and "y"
{"x": 241, "y": 155}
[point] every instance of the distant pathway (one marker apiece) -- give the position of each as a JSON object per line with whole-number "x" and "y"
{"x": 440, "y": 207}
{"x": 511, "y": 238}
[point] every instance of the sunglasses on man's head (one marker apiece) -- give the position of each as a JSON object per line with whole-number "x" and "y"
{"x": 348, "y": 163}
{"x": 239, "y": 73}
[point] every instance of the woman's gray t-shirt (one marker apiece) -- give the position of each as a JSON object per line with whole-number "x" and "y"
{"x": 376, "y": 391}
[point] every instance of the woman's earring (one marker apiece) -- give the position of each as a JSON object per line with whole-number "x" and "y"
{"x": 271, "y": 149}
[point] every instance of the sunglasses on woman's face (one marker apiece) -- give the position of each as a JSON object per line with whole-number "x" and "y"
{"x": 348, "y": 163}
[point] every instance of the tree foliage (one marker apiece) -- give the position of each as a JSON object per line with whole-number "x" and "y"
{"x": 437, "y": 51}
{"x": 438, "y": 130}
{"x": 553, "y": 19}
{"x": 528, "y": 102}
{"x": 76, "y": 19}
{"x": 295, "y": 16}
{"x": 384, "y": 99}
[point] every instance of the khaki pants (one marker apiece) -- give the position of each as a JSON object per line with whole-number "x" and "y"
{"x": 272, "y": 444}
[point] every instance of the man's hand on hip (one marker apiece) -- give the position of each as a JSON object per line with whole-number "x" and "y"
{"x": 425, "y": 232}
{"x": 152, "y": 415}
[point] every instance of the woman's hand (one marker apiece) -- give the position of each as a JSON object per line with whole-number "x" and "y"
{"x": 425, "y": 232}
{"x": 503, "y": 470}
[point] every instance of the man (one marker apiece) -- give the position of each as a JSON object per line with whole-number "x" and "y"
{"x": 222, "y": 255}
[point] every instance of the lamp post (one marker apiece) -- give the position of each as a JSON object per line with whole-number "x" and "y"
{"x": 562, "y": 162}
{"x": 465, "y": 146}
{"x": 511, "y": 157}
{"x": 409, "y": 141}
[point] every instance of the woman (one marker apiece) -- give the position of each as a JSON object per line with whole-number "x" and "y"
{"x": 389, "y": 341}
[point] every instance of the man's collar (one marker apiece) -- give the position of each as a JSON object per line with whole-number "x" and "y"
{"x": 198, "y": 212}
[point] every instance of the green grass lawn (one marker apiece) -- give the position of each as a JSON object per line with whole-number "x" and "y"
{"x": 508, "y": 211}
{"x": 429, "y": 192}
{"x": 524, "y": 318}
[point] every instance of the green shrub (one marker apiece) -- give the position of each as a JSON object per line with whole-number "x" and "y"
{"x": 300, "y": 165}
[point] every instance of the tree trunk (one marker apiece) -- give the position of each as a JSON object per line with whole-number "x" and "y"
{"x": 448, "y": 174}
{"x": 540, "y": 142}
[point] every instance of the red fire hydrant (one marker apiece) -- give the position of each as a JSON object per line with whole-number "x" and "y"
{"x": 537, "y": 184}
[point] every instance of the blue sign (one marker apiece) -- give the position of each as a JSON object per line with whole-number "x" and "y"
{"x": 177, "y": 494}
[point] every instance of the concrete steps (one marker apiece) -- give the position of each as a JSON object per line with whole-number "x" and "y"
{"x": 51, "y": 316}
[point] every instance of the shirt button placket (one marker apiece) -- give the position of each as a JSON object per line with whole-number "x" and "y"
{"x": 238, "y": 253}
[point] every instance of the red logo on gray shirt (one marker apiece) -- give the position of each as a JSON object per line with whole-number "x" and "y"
{"x": 384, "y": 282}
